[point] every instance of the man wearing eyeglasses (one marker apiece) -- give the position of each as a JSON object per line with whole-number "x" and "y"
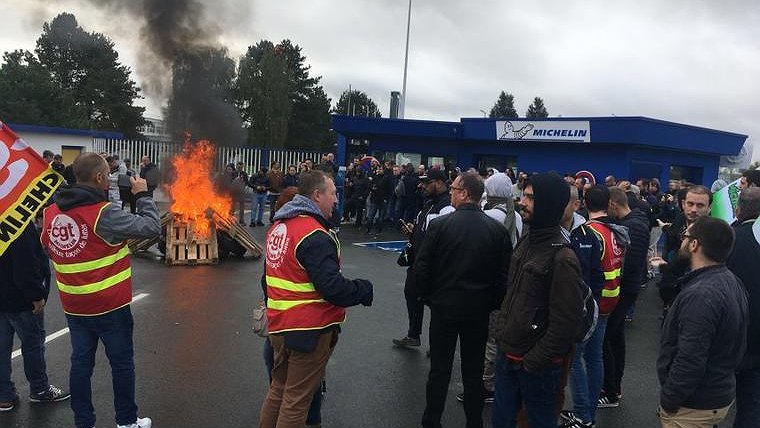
{"x": 704, "y": 335}
{"x": 461, "y": 272}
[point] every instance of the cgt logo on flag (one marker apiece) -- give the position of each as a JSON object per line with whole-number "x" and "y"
{"x": 26, "y": 183}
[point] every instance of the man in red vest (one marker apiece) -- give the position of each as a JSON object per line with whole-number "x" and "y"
{"x": 306, "y": 299}
{"x": 86, "y": 238}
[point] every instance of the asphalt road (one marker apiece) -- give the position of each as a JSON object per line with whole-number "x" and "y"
{"x": 200, "y": 365}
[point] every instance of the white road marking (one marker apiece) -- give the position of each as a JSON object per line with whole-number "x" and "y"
{"x": 17, "y": 353}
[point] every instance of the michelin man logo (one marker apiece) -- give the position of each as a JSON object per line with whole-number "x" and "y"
{"x": 64, "y": 232}
{"x": 277, "y": 245}
{"x": 510, "y": 133}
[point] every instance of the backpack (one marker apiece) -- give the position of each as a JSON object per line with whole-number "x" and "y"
{"x": 590, "y": 307}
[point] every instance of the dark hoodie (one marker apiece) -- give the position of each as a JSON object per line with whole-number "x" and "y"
{"x": 24, "y": 269}
{"x": 541, "y": 314}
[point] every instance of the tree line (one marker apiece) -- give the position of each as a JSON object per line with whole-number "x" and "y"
{"x": 74, "y": 79}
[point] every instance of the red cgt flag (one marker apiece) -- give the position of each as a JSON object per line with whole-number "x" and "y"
{"x": 26, "y": 183}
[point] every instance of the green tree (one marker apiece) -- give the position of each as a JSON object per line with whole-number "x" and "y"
{"x": 356, "y": 103}
{"x": 96, "y": 89}
{"x": 281, "y": 104}
{"x": 537, "y": 110}
{"x": 504, "y": 107}
{"x": 29, "y": 94}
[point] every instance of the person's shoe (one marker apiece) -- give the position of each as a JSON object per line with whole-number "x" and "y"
{"x": 567, "y": 416}
{"x": 407, "y": 341}
{"x": 488, "y": 397}
{"x": 606, "y": 402}
{"x": 259, "y": 223}
{"x": 51, "y": 395}
{"x": 7, "y": 406}
{"x": 252, "y": 224}
{"x": 629, "y": 318}
{"x": 140, "y": 423}
{"x": 576, "y": 423}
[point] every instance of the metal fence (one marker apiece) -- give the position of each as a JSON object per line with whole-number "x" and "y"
{"x": 254, "y": 158}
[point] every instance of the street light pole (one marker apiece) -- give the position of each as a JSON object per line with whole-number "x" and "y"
{"x": 484, "y": 113}
{"x": 406, "y": 61}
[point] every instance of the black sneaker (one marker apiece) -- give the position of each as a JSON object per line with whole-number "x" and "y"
{"x": 577, "y": 423}
{"x": 259, "y": 223}
{"x": 407, "y": 341}
{"x": 51, "y": 395}
{"x": 7, "y": 406}
{"x": 567, "y": 416}
{"x": 607, "y": 401}
{"x": 252, "y": 224}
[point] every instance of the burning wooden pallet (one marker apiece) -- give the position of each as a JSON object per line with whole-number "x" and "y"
{"x": 184, "y": 246}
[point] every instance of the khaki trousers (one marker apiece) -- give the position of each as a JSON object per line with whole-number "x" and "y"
{"x": 295, "y": 377}
{"x": 692, "y": 418}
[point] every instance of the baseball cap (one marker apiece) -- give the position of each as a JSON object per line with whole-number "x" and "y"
{"x": 434, "y": 174}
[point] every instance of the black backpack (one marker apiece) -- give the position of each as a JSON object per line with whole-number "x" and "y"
{"x": 590, "y": 307}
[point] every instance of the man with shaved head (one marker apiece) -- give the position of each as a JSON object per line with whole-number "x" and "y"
{"x": 86, "y": 237}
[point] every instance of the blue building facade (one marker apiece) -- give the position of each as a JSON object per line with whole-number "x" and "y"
{"x": 625, "y": 147}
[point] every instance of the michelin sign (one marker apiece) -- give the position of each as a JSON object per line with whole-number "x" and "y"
{"x": 524, "y": 130}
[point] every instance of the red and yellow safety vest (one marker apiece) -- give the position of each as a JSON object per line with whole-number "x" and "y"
{"x": 292, "y": 301}
{"x": 94, "y": 277}
{"x": 612, "y": 265}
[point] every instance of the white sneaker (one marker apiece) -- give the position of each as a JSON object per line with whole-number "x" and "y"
{"x": 141, "y": 423}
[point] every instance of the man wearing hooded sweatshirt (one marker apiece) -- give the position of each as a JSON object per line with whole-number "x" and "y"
{"x": 306, "y": 299}
{"x": 539, "y": 319}
{"x": 86, "y": 238}
{"x": 500, "y": 205}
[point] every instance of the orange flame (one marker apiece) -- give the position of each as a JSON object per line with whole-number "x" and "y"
{"x": 192, "y": 191}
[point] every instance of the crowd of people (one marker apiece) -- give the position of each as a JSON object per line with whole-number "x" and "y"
{"x": 535, "y": 276}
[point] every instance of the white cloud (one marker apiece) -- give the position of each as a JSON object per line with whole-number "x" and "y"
{"x": 689, "y": 61}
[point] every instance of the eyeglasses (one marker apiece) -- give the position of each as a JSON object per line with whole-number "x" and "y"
{"x": 461, "y": 189}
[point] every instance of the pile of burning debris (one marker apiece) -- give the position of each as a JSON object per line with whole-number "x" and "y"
{"x": 198, "y": 228}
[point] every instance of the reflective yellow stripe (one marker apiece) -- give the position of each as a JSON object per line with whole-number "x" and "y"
{"x": 612, "y": 274}
{"x": 284, "y": 284}
{"x": 284, "y": 305}
{"x": 96, "y": 286}
{"x": 610, "y": 293}
{"x": 93, "y": 264}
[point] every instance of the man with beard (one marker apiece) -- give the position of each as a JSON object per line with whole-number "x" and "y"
{"x": 436, "y": 198}
{"x": 540, "y": 317}
{"x": 704, "y": 335}
{"x": 696, "y": 204}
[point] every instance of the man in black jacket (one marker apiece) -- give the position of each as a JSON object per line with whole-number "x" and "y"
{"x": 437, "y": 198}
{"x": 743, "y": 262}
{"x": 704, "y": 336}
{"x": 24, "y": 288}
{"x": 540, "y": 316}
{"x": 630, "y": 284}
{"x": 461, "y": 271}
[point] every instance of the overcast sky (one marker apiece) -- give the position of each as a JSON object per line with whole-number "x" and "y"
{"x": 690, "y": 61}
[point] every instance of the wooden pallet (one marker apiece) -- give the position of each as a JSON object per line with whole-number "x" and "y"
{"x": 184, "y": 248}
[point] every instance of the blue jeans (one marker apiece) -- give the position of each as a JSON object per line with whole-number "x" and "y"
{"x": 747, "y": 398}
{"x": 258, "y": 207}
{"x": 30, "y": 329}
{"x": 375, "y": 210}
{"x": 587, "y": 373}
{"x": 314, "y": 417}
{"x": 516, "y": 387}
{"x": 114, "y": 329}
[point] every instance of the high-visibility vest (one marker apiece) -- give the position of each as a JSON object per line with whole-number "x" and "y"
{"x": 612, "y": 265}
{"x": 94, "y": 277}
{"x": 292, "y": 301}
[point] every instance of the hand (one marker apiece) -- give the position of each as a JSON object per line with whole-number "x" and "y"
{"x": 38, "y": 306}
{"x": 138, "y": 185}
{"x": 657, "y": 261}
{"x": 407, "y": 228}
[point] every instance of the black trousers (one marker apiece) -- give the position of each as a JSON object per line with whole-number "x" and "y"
{"x": 472, "y": 335}
{"x": 614, "y": 345}
{"x": 415, "y": 309}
